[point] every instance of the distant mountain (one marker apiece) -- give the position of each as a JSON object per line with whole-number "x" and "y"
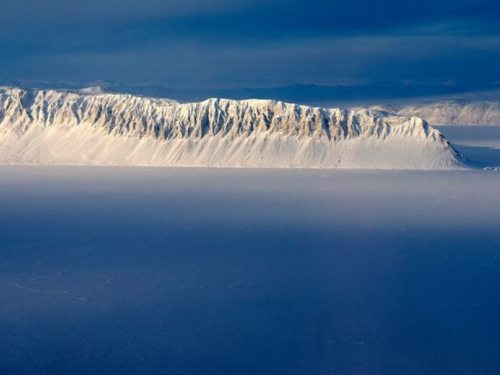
{"x": 304, "y": 93}
{"x": 454, "y": 112}
{"x": 457, "y": 113}
{"x": 93, "y": 127}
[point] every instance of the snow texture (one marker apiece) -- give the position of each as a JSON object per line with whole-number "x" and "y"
{"x": 91, "y": 127}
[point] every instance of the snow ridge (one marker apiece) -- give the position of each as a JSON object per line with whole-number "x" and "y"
{"x": 92, "y": 127}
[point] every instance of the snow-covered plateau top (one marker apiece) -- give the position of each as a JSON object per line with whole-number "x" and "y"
{"x": 94, "y": 127}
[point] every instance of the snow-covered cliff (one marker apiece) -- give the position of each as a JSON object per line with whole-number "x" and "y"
{"x": 95, "y": 128}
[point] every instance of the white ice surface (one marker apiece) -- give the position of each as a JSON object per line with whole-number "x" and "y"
{"x": 233, "y": 271}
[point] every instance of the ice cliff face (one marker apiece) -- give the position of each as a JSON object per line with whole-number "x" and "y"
{"x": 93, "y": 128}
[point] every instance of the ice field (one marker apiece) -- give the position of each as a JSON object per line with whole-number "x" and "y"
{"x": 114, "y": 270}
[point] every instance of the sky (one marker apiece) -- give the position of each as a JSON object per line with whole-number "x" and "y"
{"x": 296, "y": 49}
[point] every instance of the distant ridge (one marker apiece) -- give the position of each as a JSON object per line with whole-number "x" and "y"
{"x": 450, "y": 112}
{"x": 93, "y": 127}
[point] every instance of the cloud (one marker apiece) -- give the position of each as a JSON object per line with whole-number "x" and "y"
{"x": 321, "y": 60}
{"x": 254, "y": 42}
{"x": 26, "y": 13}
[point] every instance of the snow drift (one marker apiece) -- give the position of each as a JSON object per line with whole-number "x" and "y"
{"x": 90, "y": 127}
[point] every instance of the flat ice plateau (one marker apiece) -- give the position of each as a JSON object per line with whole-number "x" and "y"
{"x": 245, "y": 271}
{"x": 94, "y": 128}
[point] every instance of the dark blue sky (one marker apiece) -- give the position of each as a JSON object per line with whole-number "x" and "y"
{"x": 223, "y": 47}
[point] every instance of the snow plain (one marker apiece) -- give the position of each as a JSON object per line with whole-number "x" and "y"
{"x": 107, "y": 270}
